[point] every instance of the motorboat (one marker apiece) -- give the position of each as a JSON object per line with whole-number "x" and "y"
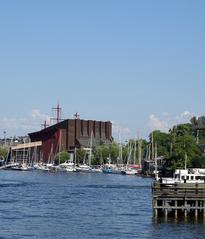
{"x": 107, "y": 170}
{"x": 132, "y": 170}
{"x": 184, "y": 176}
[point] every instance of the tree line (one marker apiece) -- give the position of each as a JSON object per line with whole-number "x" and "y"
{"x": 181, "y": 142}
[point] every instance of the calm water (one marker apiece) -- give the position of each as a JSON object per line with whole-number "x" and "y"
{"x": 45, "y": 205}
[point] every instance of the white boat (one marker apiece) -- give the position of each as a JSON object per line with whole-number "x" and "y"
{"x": 67, "y": 167}
{"x": 131, "y": 167}
{"x": 132, "y": 170}
{"x": 9, "y": 166}
{"x": 25, "y": 167}
{"x": 83, "y": 168}
{"x": 22, "y": 167}
{"x": 96, "y": 169}
{"x": 25, "y": 162}
{"x": 183, "y": 176}
{"x": 86, "y": 167}
{"x": 42, "y": 166}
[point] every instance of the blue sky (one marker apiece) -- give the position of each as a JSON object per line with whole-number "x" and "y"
{"x": 139, "y": 64}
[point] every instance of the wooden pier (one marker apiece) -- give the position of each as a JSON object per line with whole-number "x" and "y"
{"x": 179, "y": 199}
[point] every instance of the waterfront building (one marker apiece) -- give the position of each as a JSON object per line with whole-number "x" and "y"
{"x": 70, "y": 134}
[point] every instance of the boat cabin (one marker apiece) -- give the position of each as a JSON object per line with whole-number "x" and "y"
{"x": 184, "y": 176}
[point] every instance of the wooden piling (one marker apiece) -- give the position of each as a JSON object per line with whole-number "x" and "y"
{"x": 203, "y": 210}
{"x": 182, "y": 198}
{"x": 175, "y": 213}
{"x": 196, "y": 209}
{"x": 185, "y": 210}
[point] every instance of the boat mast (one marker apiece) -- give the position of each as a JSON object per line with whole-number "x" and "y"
{"x": 149, "y": 152}
{"x": 121, "y": 150}
{"x": 16, "y": 156}
{"x": 50, "y": 155}
{"x": 29, "y": 153}
{"x": 35, "y": 154}
{"x": 155, "y": 154}
{"x": 185, "y": 163}
{"x": 24, "y": 149}
{"x": 59, "y": 158}
{"x": 109, "y": 161}
{"x": 75, "y": 152}
{"x": 101, "y": 158}
{"x": 156, "y": 172}
{"x": 152, "y": 145}
{"x": 135, "y": 147}
{"x": 90, "y": 151}
{"x": 129, "y": 153}
{"x": 185, "y": 157}
{"x": 139, "y": 150}
{"x": 119, "y": 159}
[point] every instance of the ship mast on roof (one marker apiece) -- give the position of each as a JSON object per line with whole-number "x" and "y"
{"x": 58, "y": 113}
{"x": 76, "y": 116}
{"x": 44, "y": 125}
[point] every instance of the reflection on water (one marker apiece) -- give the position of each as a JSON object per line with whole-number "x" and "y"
{"x": 43, "y": 205}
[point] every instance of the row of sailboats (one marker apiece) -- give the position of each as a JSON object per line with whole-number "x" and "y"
{"x": 29, "y": 161}
{"x": 132, "y": 168}
{"x": 26, "y": 160}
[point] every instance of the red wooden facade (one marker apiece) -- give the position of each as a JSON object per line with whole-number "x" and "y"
{"x": 72, "y": 133}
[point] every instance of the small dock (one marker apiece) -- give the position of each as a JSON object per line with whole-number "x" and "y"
{"x": 179, "y": 199}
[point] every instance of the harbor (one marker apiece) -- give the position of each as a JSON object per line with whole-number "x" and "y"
{"x": 102, "y": 128}
{"x": 76, "y": 170}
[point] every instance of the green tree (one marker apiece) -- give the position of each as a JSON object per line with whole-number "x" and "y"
{"x": 3, "y": 152}
{"x": 181, "y": 130}
{"x": 114, "y": 152}
{"x": 81, "y": 155}
{"x": 97, "y": 158}
{"x": 62, "y": 157}
{"x": 184, "y": 145}
{"x": 163, "y": 142}
{"x": 198, "y": 126}
{"x": 105, "y": 153}
{"x": 144, "y": 145}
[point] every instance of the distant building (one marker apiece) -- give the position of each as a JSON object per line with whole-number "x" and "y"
{"x": 70, "y": 134}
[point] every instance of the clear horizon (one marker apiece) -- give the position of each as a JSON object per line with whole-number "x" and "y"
{"x": 139, "y": 64}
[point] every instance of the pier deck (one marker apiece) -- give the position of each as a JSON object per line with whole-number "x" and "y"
{"x": 186, "y": 199}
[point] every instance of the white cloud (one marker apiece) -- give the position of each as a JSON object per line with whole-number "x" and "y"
{"x": 23, "y": 125}
{"x": 167, "y": 121}
{"x": 156, "y": 123}
{"x": 37, "y": 115}
{"x": 120, "y": 133}
{"x": 184, "y": 117}
{"x": 13, "y": 123}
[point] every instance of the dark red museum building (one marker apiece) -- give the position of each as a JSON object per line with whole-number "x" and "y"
{"x": 72, "y": 133}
